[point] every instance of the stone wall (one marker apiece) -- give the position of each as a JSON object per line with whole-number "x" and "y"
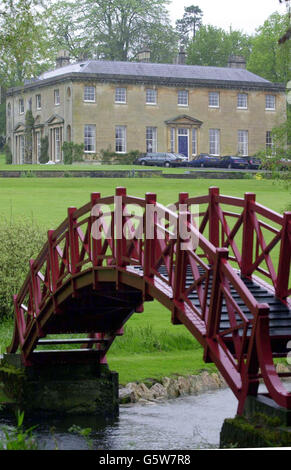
{"x": 170, "y": 387}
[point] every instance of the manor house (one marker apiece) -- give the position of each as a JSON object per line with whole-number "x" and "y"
{"x": 124, "y": 106}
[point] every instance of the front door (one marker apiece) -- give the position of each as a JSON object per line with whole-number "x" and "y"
{"x": 183, "y": 136}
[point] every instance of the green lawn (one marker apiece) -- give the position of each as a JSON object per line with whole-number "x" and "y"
{"x": 81, "y": 166}
{"x": 93, "y": 166}
{"x": 46, "y": 201}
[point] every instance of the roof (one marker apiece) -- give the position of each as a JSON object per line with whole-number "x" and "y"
{"x": 142, "y": 69}
{"x": 165, "y": 74}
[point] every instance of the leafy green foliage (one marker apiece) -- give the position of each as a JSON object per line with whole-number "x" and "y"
{"x": 2, "y": 119}
{"x": 83, "y": 432}
{"x": 190, "y": 23}
{"x": 18, "y": 438}
{"x": 44, "y": 146}
{"x": 212, "y": 46}
{"x": 270, "y": 59}
{"x": 20, "y": 240}
{"x": 23, "y": 41}
{"x": 72, "y": 152}
{"x": 107, "y": 156}
{"x": 112, "y": 30}
{"x": 8, "y": 154}
{"x": 146, "y": 340}
{"x": 277, "y": 159}
{"x": 29, "y": 123}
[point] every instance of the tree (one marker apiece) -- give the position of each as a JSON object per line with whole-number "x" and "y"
{"x": 212, "y": 46}
{"x": 23, "y": 44}
{"x": 113, "y": 29}
{"x": 270, "y": 59}
{"x": 281, "y": 136}
{"x": 189, "y": 24}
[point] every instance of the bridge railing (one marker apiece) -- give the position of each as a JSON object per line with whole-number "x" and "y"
{"x": 215, "y": 305}
{"x": 259, "y": 238}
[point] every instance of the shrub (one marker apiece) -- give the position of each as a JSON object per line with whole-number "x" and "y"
{"x": 29, "y": 124}
{"x": 18, "y": 438}
{"x": 107, "y": 156}
{"x": 8, "y": 154}
{"x": 44, "y": 145}
{"x": 2, "y": 142}
{"x": 20, "y": 240}
{"x": 72, "y": 152}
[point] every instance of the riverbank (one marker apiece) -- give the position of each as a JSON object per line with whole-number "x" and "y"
{"x": 170, "y": 387}
{"x": 151, "y": 391}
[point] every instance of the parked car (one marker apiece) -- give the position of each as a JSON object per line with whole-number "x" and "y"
{"x": 284, "y": 164}
{"x": 230, "y": 161}
{"x": 254, "y": 163}
{"x": 162, "y": 159}
{"x": 204, "y": 160}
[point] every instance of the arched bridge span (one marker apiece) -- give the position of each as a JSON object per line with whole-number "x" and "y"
{"x": 227, "y": 289}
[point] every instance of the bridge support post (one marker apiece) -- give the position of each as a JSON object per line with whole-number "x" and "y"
{"x": 60, "y": 389}
{"x": 263, "y": 424}
{"x": 284, "y": 259}
{"x": 248, "y": 236}
{"x": 213, "y": 216}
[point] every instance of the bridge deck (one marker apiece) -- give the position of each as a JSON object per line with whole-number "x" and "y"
{"x": 279, "y": 316}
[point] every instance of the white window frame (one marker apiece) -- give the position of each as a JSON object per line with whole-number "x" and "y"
{"x": 242, "y": 101}
{"x": 151, "y": 96}
{"x": 120, "y": 139}
{"x": 243, "y": 142}
{"x": 21, "y": 148}
{"x": 194, "y": 141}
{"x": 38, "y": 145}
{"x": 89, "y": 94}
{"x": 269, "y": 144}
{"x": 173, "y": 139}
{"x": 214, "y": 142}
{"x": 21, "y": 106}
{"x": 120, "y": 95}
{"x": 267, "y": 102}
{"x": 38, "y": 101}
{"x": 151, "y": 139}
{"x": 58, "y": 152}
{"x": 183, "y": 98}
{"x": 57, "y": 99}
{"x": 90, "y": 138}
{"x": 213, "y": 99}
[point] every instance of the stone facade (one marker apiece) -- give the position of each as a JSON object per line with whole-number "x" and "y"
{"x": 147, "y": 107}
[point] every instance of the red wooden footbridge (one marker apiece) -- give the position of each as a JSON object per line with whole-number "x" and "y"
{"x": 230, "y": 291}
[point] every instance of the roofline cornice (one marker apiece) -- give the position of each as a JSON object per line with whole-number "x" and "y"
{"x": 145, "y": 80}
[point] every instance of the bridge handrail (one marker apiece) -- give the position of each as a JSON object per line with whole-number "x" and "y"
{"x": 248, "y": 258}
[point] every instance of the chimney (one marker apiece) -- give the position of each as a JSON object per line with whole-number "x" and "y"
{"x": 144, "y": 55}
{"x": 236, "y": 62}
{"x": 181, "y": 57}
{"x": 62, "y": 59}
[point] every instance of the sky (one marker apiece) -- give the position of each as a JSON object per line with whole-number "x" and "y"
{"x": 243, "y": 15}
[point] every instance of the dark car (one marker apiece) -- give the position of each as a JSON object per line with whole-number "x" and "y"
{"x": 204, "y": 160}
{"x": 254, "y": 163}
{"x": 231, "y": 161}
{"x": 162, "y": 159}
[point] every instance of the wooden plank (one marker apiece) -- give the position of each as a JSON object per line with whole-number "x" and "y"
{"x": 44, "y": 342}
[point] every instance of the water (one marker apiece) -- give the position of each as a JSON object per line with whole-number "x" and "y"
{"x": 183, "y": 423}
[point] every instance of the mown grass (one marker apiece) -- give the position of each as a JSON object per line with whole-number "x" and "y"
{"x": 151, "y": 346}
{"x": 45, "y": 200}
{"x": 83, "y": 166}
{"x": 96, "y": 166}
